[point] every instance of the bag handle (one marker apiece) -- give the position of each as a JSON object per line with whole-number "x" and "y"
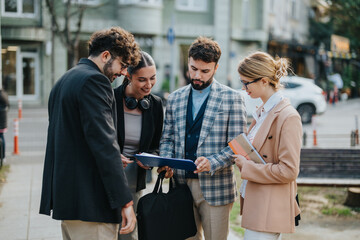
{"x": 159, "y": 182}
{"x": 173, "y": 180}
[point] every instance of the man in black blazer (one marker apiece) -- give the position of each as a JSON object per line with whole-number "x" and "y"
{"x": 84, "y": 184}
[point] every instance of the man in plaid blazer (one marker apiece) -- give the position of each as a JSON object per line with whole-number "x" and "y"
{"x": 201, "y": 118}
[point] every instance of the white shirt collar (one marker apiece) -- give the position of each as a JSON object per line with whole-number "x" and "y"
{"x": 273, "y": 101}
{"x": 270, "y": 104}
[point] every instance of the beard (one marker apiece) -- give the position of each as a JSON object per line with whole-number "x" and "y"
{"x": 107, "y": 70}
{"x": 203, "y": 85}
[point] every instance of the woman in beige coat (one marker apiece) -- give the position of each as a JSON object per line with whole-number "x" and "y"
{"x": 268, "y": 190}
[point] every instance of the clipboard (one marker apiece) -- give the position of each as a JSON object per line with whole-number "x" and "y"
{"x": 242, "y": 146}
{"x": 151, "y": 160}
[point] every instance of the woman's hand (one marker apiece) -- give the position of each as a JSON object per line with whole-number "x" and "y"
{"x": 169, "y": 172}
{"x": 141, "y": 165}
{"x": 239, "y": 160}
{"x": 125, "y": 161}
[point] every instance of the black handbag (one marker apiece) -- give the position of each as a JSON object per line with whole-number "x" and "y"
{"x": 163, "y": 216}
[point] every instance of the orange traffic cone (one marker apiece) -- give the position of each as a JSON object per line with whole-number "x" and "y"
{"x": 16, "y": 137}
{"x": 20, "y": 108}
{"x": 315, "y": 140}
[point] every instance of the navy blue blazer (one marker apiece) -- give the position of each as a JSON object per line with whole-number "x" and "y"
{"x": 83, "y": 175}
{"x": 151, "y": 129}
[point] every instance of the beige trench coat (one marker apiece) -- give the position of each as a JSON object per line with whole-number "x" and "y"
{"x": 270, "y": 204}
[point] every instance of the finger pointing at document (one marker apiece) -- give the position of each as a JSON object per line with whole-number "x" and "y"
{"x": 202, "y": 165}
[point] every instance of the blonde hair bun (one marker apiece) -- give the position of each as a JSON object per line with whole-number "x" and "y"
{"x": 261, "y": 64}
{"x": 281, "y": 67}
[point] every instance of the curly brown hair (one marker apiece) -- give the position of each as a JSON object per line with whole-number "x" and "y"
{"x": 205, "y": 49}
{"x": 119, "y": 42}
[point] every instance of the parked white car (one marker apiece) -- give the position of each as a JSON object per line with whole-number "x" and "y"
{"x": 306, "y": 97}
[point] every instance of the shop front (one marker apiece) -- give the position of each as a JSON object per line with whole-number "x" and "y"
{"x": 20, "y": 72}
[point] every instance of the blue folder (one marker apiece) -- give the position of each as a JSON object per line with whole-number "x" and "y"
{"x": 150, "y": 160}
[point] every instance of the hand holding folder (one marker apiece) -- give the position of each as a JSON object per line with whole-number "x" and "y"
{"x": 242, "y": 146}
{"x": 151, "y": 160}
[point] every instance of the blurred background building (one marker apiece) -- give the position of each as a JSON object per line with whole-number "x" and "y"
{"x": 41, "y": 39}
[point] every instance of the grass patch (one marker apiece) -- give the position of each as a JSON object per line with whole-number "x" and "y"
{"x": 235, "y": 223}
{"x": 239, "y": 230}
{"x": 3, "y": 172}
{"x": 326, "y": 201}
{"x": 336, "y": 198}
{"x": 308, "y": 190}
{"x": 334, "y": 211}
{"x": 235, "y": 211}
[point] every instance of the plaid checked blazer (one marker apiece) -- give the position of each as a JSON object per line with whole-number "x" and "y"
{"x": 224, "y": 119}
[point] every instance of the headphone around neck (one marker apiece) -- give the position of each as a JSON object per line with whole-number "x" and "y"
{"x": 132, "y": 103}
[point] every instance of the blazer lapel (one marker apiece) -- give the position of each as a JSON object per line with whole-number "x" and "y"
{"x": 180, "y": 113}
{"x": 263, "y": 131}
{"x": 213, "y": 104}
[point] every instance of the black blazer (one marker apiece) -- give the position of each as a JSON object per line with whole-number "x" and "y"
{"x": 83, "y": 176}
{"x": 151, "y": 129}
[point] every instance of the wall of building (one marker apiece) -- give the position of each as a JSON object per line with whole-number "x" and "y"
{"x": 240, "y": 27}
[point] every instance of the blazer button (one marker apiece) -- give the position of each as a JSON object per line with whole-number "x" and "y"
{"x": 270, "y": 137}
{"x": 265, "y": 156}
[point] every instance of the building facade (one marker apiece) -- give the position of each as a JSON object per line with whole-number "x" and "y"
{"x": 32, "y": 58}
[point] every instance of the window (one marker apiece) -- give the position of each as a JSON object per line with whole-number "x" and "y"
{"x": 293, "y": 9}
{"x": 141, "y": 2}
{"x": 20, "y": 72}
{"x": 9, "y": 61}
{"x": 245, "y": 14}
{"x": 272, "y": 6}
{"x": 20, "y": 8}
{"x": 84, "y": 2}
{"x": 192, "y": 5}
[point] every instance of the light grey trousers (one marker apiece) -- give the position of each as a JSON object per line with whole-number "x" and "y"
{"x": 80, "y": 230}
{"x": 211, "y": 221}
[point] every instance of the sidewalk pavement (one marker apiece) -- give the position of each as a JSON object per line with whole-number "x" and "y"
{"x": 20, "y": 195}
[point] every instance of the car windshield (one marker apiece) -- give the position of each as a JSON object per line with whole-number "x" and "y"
{"x": 291, "y": 85}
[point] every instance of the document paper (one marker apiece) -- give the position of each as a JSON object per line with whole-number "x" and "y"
{"x": 242, "y": 146}
{"x": 151, "y": 160}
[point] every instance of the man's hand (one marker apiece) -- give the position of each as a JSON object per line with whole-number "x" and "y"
{"x": 125, "y": 161}
{"x": 169, "y": 172}
{"x": 128, "y": 220}
{"x": 203, "y": 165}
{"x": 239, "y": 160}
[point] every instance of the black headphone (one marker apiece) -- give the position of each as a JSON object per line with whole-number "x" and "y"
{"x": 132, "y": 103}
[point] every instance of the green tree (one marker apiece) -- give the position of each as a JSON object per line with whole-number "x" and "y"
{"x": 320, "y": 32}
{"x": 345, "y": 19}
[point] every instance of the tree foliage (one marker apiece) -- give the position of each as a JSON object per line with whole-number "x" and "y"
{"x": 321, "y": 32}
{"x": 345, "y": 19}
